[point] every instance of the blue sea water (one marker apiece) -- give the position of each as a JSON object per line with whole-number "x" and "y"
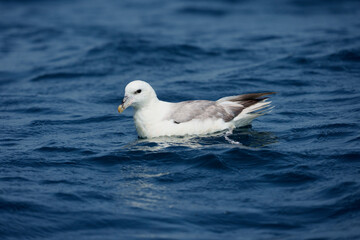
{"x": 71, "y": 167}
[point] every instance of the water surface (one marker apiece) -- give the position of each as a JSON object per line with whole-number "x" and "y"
{"x": 72, "y": 168}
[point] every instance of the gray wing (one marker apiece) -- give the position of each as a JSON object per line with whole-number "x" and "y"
{"x": 201, "y": 109}
{"x": 226, "y": 108}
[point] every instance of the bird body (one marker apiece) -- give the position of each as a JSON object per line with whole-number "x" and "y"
{"x": 155, "y": 118}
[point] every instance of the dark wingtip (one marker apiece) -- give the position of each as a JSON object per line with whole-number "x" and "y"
{"x": 268, "y": 93}
{"x": 255, "y": 96}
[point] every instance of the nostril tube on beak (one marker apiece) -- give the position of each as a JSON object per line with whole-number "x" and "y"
{"x": 123, "y": 106}
{"x": 124, "y": 99}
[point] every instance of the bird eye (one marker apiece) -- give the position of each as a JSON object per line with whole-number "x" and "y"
{"x": 138, "y": 91}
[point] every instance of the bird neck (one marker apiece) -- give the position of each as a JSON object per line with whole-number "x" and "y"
{"x": 151, "y": 103}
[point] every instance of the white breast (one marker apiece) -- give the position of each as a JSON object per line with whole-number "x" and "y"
{"x": 151, "y": 122}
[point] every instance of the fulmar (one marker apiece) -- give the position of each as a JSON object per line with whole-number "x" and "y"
{"x": 155, "y": 118}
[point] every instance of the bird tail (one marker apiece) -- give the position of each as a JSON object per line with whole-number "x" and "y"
{"x": 245, "y": 108}
{"x": 253, "y": 111}
{"x": 259, "y": 108}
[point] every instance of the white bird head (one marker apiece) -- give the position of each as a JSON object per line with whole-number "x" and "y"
{"x": 137, "y": 94}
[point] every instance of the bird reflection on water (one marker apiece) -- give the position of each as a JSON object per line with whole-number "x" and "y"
{"x": 245, "y": 137}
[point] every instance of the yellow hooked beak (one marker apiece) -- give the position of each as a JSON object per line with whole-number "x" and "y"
{"x": 125, "y": 104}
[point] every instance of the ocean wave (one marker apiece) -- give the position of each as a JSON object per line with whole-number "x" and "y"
{"x": 107, "y": 118}
{"x": 72, "y": 168}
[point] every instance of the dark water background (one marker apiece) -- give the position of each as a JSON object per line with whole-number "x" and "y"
{"x": 72, "y": 168}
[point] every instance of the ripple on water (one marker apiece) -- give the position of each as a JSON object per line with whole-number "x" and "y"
{"x": 72, "y": 168}
{"x": 290, "y": 178}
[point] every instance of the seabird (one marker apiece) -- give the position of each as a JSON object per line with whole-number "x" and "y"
{"x": 155, "y": 118}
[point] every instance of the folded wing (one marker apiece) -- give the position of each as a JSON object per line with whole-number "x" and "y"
{"x": 226, "y": 108}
